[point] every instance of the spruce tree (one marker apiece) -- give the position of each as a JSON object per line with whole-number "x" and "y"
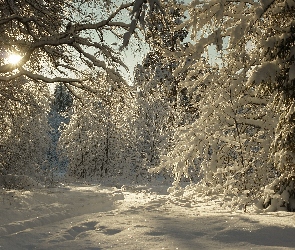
{"x": 60, "y": 113}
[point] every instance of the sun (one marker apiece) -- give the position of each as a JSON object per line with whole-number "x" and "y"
{"x": 14, "y": 59}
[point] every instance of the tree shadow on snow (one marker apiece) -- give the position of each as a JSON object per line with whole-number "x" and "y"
{"x": 266, "y": 236}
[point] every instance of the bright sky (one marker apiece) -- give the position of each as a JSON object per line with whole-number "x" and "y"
{"x": 132, "y": 58}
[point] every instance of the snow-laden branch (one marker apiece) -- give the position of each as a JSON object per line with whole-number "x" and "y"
{"x": 48, "y": 79}
{"x": 10, "y": 78}
{"x": 87, "y": 26}
{"x": 92, "y": 58}
{"x": 105, "y": 50}
{"x": 115, "y": 77}
{"x": 18, "y": 18}
{"x": 23, "y": 72}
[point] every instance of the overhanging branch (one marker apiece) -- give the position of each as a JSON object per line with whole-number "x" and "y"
{"x": 48, "y": 79}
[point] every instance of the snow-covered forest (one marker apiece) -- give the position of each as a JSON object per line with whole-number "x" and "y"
{"x": 208, "y": 117}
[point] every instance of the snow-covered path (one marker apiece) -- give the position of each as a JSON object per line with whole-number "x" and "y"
{"x": 95, "y": 217}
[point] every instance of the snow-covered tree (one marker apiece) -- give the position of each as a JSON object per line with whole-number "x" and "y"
{"x": 274, "y": 72}
{"x": 99, "y": 141}
{"x": 24, "y": 128}
{"x": 63, "y": 100}
{"x": 162, "y": 105}
{"x": 153, "y": 128}
{"x": 155, "y": 73}
{"x": 229, "y": 142}
{"x": 252, "y": 43}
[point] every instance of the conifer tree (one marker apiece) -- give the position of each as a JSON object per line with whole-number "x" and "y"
{"x": 60, "y": 114}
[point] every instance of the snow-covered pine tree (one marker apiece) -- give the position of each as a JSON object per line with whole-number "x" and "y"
{"x": 63, "y": 100}
{"x": 59, "y": 114}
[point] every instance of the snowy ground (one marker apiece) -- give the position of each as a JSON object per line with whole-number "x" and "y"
{"x": 94, "y": 217}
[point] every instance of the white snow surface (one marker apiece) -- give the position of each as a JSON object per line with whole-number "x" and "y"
{"x": 93, "y": 217}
